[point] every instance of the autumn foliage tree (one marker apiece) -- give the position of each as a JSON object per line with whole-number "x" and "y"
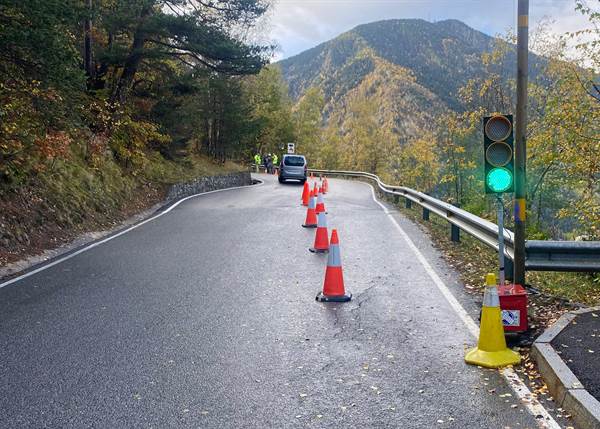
{"x": 92, "y": 76}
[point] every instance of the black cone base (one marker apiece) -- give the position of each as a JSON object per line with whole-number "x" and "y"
{"x": 312, "y": 249}
{"x": 309, "y": 226}
{"x": 333, "y": 298}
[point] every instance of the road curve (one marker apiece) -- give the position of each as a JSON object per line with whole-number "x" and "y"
{"x": 206, "y": 317}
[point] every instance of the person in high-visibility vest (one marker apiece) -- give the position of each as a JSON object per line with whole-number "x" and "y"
{"x": 257, "y": 160}
{"x": 275, "y": 162}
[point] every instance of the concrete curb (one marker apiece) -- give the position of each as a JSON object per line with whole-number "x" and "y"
{"x": 567, "y": 390}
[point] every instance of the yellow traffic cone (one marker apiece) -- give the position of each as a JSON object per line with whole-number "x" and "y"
{"x": 491, "y": 350}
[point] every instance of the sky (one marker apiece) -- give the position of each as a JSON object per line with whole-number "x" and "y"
{"x": 299, "y": 25}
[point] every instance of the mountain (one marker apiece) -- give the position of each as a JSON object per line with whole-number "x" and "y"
{"x": 417, "y": 67}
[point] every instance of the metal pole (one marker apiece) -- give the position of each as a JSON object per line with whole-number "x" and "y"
{"x": 520, "y": 143}
{"x": 501, "y": 238}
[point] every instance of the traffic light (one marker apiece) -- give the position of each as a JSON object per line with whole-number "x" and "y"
{"x": 498, "y": 154}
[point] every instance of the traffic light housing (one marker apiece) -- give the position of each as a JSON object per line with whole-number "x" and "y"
{"x": 499, "y": 154}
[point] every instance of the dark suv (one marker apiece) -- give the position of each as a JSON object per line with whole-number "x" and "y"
{"x": 293, "y": 167}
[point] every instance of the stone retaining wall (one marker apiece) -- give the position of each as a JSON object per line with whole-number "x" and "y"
{"x": 210, "y": 183}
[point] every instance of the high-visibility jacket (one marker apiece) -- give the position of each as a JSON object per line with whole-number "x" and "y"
{"x": 275, "y": 159}
{"x": 257, "y": 159}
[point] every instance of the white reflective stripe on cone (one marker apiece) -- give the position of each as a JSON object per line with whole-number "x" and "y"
{"x": 320, "y": 198}
{"x": 312, "y": 204}
{"x": 335, "y": 258}
{"x": 490, "y": 297}
{"x": 321, "y": 220}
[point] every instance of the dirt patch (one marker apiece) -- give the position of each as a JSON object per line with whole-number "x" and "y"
{"x": 31, "y": 224}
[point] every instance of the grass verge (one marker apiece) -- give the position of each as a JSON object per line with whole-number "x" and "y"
{"x": 473, "y": 260}
{"x": 71, "y": 197}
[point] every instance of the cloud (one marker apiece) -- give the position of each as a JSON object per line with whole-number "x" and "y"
{"x": 299, "y": 25}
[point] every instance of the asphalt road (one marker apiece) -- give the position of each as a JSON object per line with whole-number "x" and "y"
{"x": 206, "y": 317}
{"x": 579, "y": 347}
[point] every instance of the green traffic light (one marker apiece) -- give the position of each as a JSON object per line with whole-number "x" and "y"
{"x": 499, "y": 179}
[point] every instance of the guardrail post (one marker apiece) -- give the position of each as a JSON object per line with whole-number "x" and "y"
{"x": 557, "y": 256}
{"x": 454, "y": 233}
{"x": 407, "y": 203}
{"x": 425, "y": 214}
{"x": 455, "y": 230}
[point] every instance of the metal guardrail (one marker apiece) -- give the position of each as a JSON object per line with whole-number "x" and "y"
{"x": 541, "y": 255}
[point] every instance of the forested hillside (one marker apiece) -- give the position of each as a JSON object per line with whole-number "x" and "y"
{"x": 104, "y": 102}
{"x": 405, "y": 99}
{"x": 440, "y": 56}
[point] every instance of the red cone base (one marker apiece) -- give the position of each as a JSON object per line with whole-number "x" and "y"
{"x": 321, "y": 249}
{"x": 321, "y": 241}
{"x": 311, "y": 219}
{"x": 311, "y": 214}
{"x": 333, "y": 286}
{"x": 305, "y": 194}
{"x": 336, "y": 298}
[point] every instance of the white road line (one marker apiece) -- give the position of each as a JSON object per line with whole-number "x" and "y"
{"x": 516, "y": 384}
{"x": 125, "y": 231}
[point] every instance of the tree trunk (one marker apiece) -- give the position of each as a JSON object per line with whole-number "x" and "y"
{"x": 87, "y": 54}
{"x": 133, "y": 60}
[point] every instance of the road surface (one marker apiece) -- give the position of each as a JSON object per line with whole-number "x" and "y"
{"x": 206, "y": 317}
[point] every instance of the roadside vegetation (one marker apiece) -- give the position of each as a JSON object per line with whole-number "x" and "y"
{"x": 473, "y": 260}
{"x": 105, "y": 103}
{"x": 444, "y": 158}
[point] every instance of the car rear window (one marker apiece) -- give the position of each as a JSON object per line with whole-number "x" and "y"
{"x": 294, "y": 161}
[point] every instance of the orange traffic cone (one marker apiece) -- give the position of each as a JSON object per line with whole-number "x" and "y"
{"x": 320, "y": 208}
{"x": 311, "y": 214}
{"x": 321, "y": 238}
{"x": 325, "y": 186}
{"x": 333, "y": 286}
{"x": 305, "y": 194}
{"x": 315, "y": 189}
